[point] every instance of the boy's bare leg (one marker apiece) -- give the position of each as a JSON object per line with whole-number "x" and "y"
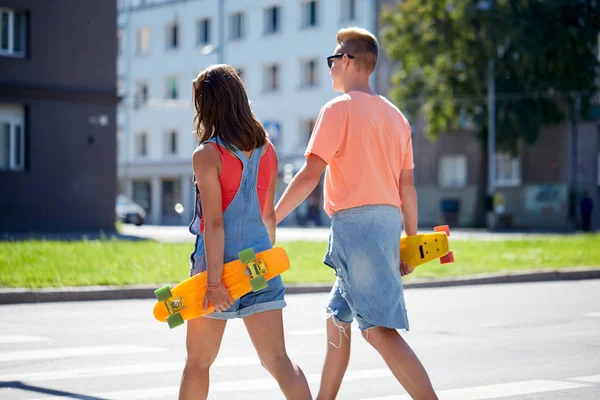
{"x": 402, "y": 361}
{"x": 336, "y": 358}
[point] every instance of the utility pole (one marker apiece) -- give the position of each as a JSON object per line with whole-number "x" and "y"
{"x": 221, "y": 58}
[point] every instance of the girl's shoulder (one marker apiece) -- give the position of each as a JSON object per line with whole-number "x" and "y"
{"x": 206, "y": 154}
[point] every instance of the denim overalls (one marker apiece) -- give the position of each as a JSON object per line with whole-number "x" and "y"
{"x": 244, "y": 228}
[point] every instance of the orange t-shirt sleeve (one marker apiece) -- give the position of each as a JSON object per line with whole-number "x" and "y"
{"x": 327, "y": 134}
{"x": 408, "y": 162}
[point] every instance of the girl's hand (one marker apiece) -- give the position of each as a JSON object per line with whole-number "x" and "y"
{"x": 219, "y": 297}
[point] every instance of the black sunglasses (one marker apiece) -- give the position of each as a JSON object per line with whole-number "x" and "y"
{"x": 330, "y": 58}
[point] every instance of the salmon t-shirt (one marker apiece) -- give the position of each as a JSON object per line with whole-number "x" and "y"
{"x": 366, "y": 142}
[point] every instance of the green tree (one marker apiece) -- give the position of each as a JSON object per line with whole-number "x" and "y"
{"x": 543, "y": 52}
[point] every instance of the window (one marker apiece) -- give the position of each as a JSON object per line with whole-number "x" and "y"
{"x": 236, "y": 24}
{"x": 13, "y": 32}
{"x": 119, "y": 42}
{"x": 598, "y": 169}
{"x": 307, "y": 129}
{"x": 272, "y": 19}
{"x": 271, "y": 77}
{"x": 12, "y": 138}
{"x": 452, "y": 171}
{"x": 119, "y": 143}
{"x": 348, "y": 10}
{"x": 173, "y": 36}
{"x": 142, "y": 195}
{"x": 172, "y": 88}
{"x": 171, "y": 143}
{"x": 508, "y": 170}
{"x": 309, "y": 73}
{"x": 141, "y": 144}
{"x": 310, "y": 15}
{"x": 141, "y": 93}
{"x": 204, "y": 31}
{"x": 143, "y": 41}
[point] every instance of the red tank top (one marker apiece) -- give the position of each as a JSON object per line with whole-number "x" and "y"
{"x": 231, "y": 175}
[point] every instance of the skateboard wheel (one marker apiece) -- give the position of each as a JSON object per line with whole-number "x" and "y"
{"x": 442, "y": 228}
{"x": 174, "y": 320}
{"x": 247, "y": 255}
{"x": 258, "y": 283}
{"x": 448, "y": 258}
{"x": 163, "y": 293}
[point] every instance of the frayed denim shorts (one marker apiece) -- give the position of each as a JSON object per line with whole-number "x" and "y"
{"x": 364, "y": 251}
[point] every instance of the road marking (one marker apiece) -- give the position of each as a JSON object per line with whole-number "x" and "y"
{"x": 82, "y": 373}
{"x": 306, "y": 333}
{"x": 260, "y": 384}
{"x": 495, "y": 391}
{"x": 592, "y": 314}
{"x": 492, "y": 324}
{"x": 22, "y": 339}
{"x": 74, "y": 352}
{"x": 590, "y": 379}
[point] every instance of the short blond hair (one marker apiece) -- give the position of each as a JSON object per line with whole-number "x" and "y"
{"x": 360, "y": 43}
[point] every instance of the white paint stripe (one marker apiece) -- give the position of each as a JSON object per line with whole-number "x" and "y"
{"x": 590, "y": 379}
{"x": 22, "y": 339}
{"x": 261, "y": 384}
{"x": 74, "y": 352}
{"x": 592, "y": 314}
{"x": 306, "y": 333}
{"x": 492, "y": 324}
{"x": 82, "y": 373}
{"x": 495, "y": 391}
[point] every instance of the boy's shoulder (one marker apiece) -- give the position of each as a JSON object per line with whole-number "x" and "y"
{"x": 338, "y": 103}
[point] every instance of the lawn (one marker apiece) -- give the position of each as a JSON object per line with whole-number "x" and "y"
{"x": 36, "y": 264}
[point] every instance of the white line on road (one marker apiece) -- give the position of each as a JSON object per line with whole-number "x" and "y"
{"x": 261, "y": 384}
{"x": 592, "y": 314}
{"x": 495, "y": 391}
{"x": 82, "y": 373}
{"x": 22, "y": 339}
{"x": 590, "y": 379}
{"x": 492, "y": 324}
{"x": 74, "y": 352}
{"x": 306, "y": 333}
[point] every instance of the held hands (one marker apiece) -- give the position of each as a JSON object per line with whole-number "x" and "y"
{"x": 405, "y": 269}
{"x": 219, "y": 296}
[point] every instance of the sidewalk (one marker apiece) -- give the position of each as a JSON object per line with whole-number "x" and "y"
{"x": 178, "y": 234}
{"x": 91, "y": 293}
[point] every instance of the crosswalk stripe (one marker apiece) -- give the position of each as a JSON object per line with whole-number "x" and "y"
{"x": 82, "y": 373}
{"x": 495, "y": 391}
{"x": 22, "y": 339}
{"x": 260, "y": 384}
{"x": 590, "y": 379}
{"x": 47, "y": 354}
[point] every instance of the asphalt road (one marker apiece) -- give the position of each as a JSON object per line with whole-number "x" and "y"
{"x": 518, "y": 341}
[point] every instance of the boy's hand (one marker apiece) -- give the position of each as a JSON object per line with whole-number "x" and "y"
{"x": 405, "y": 269}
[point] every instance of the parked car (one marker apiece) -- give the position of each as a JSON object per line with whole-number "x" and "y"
{"x": 129, "y": 212}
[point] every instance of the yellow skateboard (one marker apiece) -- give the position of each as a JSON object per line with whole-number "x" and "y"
{"x": 419, "y": 249}
{"x": 250, "y": 273}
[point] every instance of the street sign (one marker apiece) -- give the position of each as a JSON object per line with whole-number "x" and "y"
{"x": 273, "y": 129}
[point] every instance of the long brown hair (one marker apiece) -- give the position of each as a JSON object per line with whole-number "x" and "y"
{"x": 223, "y": 110}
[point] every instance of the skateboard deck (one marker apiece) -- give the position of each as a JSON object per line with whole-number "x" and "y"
{"x": 420, "y": 249}
{"x": 251, "y": 272}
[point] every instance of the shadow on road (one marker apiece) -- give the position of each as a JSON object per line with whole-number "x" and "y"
{"x": 23, "y": 386}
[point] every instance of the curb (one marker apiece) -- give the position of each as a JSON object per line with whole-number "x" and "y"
{"x": 94, "y": 293}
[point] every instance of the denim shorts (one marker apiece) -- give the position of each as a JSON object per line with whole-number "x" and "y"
{"x": 364, "y": 251}
{"x": 267, "y": 299}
